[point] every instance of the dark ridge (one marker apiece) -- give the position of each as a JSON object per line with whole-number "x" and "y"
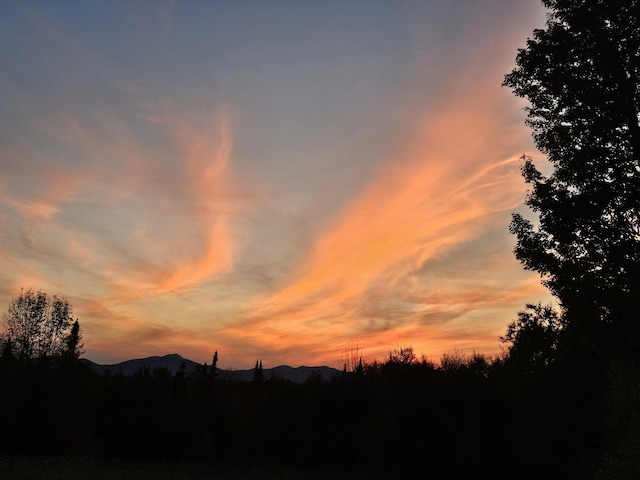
{"x": 173, "y": 361}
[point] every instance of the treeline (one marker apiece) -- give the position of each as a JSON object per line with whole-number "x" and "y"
{"x": 464, "y": 417}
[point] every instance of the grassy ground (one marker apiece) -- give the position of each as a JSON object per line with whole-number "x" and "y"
{"x": 73, "y": 468}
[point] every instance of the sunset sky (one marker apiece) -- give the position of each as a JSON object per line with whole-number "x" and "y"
{"x": 284, "y": 179}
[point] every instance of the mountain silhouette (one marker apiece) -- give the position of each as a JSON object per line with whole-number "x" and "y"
{"x": 173, "y": 361}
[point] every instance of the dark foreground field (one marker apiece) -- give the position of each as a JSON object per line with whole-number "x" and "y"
{"x": 82, "y": 468}
{"x": 405, "y": 418}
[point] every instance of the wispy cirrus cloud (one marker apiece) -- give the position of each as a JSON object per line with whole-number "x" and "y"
{"x": 207, "y": 162}
{"x": 180, "y": 217}
{"x": 368, "y": 272}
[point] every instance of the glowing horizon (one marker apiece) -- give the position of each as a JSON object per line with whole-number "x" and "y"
{"x": 339, "y": 175}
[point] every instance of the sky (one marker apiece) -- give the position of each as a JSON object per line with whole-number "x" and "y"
{"x": 287, "y": 180}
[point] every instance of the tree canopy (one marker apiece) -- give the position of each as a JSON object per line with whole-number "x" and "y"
{"x": 37, "y": 325}
{"x": 581, "y": 76}
{"x": 532, "y": 339}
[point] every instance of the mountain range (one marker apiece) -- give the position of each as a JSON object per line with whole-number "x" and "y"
{"x": 173, "y": 361}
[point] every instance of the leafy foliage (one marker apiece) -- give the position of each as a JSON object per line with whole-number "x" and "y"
{"x": 533, "y": 337}
{"x": 581, "y": 75}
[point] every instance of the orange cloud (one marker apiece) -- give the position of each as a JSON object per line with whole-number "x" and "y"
{"x": 47, "y": 190}
{"x": 216, "y": 257}
{"x": 456, "y": 179}
{"x": 115, "y": 323}
{"x": 207, "y": 162}
{"x": 191, "y": 240}
{"x": 441, "y": 197}
{"x": 15, "y": 275}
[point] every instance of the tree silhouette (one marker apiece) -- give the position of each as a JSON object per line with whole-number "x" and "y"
{"x": 73, "y": 347}
{"x": 532, "y": 339}
{"x": 258, "y": 372}
{"x": 213, "y": 370}
{"x": 403, "y": 356}
{"x": 581, "y": 76}
{"x": 40, "y": 326}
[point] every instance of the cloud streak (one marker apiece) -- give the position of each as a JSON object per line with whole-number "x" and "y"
{"x": 450, "y": 184}
{"x": 206, "y": 162}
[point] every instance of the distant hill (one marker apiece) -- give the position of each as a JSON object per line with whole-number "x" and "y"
{"x": 172, "y": 363}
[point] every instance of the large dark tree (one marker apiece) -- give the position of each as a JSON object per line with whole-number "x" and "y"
{"x": 581, "y": 76}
